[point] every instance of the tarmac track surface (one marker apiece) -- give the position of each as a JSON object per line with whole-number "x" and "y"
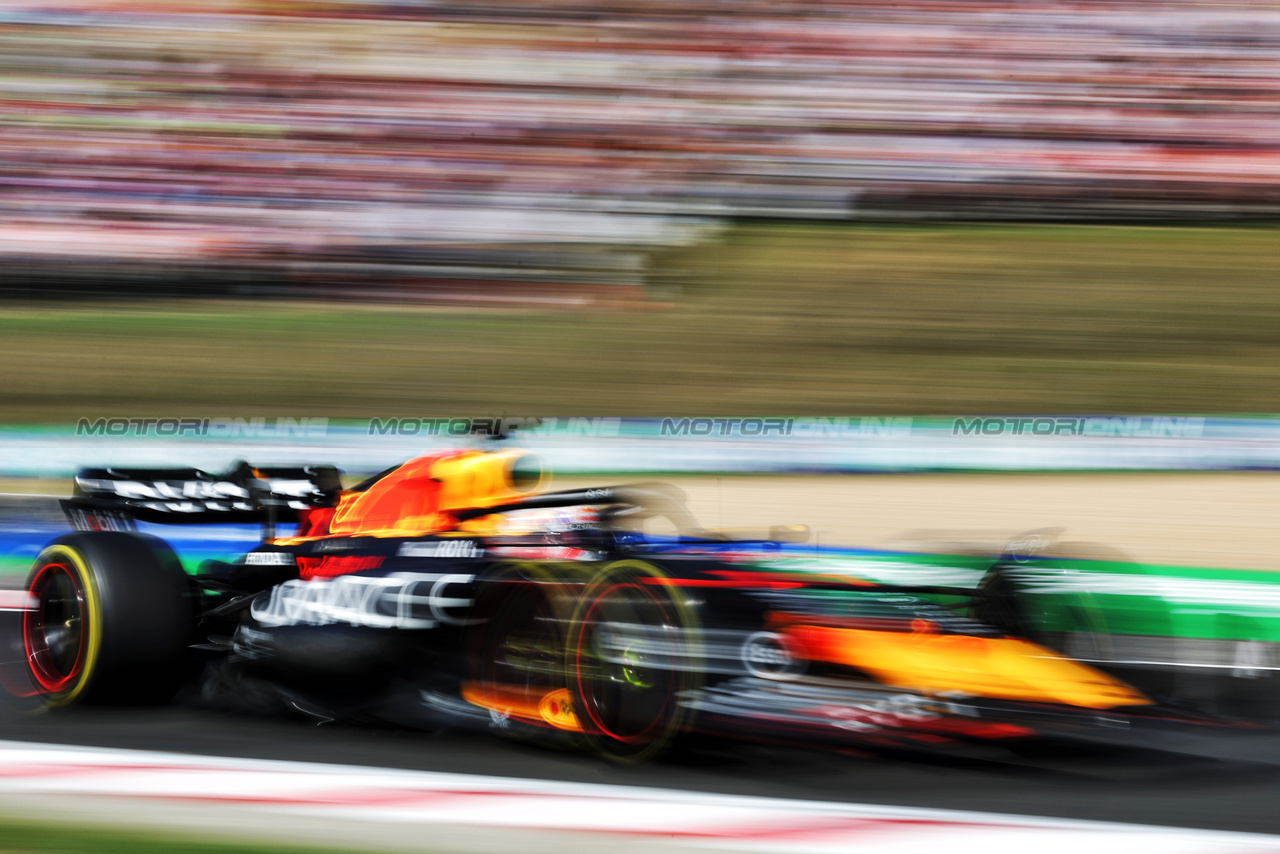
{"x": 1216, "y": 781}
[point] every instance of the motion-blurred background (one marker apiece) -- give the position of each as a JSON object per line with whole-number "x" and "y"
{"x": 444, "y": 206}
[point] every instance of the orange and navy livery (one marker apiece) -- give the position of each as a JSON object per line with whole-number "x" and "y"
{"x": 556, "y": 615}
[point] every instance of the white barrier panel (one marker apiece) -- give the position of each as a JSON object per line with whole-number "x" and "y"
{"x": 675, "y": 445}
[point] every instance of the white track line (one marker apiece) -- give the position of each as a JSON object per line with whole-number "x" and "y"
{"x": 303, "y": 791}
{"x": 16, "y": 600}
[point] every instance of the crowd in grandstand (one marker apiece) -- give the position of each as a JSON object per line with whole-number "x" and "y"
{"x": 555, "y": 139}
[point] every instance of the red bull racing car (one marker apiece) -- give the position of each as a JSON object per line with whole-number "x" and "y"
{"x": 455, "y": 590}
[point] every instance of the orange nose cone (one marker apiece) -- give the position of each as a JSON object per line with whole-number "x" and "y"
{"x": 1001, "y": 668}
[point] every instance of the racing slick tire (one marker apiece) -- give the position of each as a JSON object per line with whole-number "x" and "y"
{"x": 109, "y": 620}
{"x": 634, "y": 652}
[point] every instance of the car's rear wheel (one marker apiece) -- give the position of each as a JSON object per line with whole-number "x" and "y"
{"x": 109, "y": 619}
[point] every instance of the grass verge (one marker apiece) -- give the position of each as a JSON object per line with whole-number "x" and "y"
{"x": 33, "y": 837}
{"x": 796, "y": 319}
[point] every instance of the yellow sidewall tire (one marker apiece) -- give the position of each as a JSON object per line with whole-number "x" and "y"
{"x": 679, "y": 719}
{"x": 138, "y": 613}
{"x": 70, "y": 557}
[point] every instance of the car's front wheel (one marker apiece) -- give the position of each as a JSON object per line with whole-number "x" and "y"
{"x": 634, "y": 651}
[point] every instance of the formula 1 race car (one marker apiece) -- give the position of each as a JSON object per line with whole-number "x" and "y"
{"x": 453, "y": 590}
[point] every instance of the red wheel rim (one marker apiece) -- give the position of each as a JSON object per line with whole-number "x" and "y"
{"x": 53, "y": 632}
{"x": 586, "y": 697}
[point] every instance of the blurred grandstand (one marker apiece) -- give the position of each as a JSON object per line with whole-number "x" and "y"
{"x": 538, "y": 151}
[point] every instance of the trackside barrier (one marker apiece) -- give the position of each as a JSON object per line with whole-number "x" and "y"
{"x": 668, "y": 445}
{"x": 387, "y": 809}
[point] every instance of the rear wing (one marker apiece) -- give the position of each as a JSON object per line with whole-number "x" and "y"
{"x": 116, "y": 498}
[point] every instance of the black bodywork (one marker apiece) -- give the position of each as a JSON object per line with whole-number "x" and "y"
{"x": 583, "y": 634}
